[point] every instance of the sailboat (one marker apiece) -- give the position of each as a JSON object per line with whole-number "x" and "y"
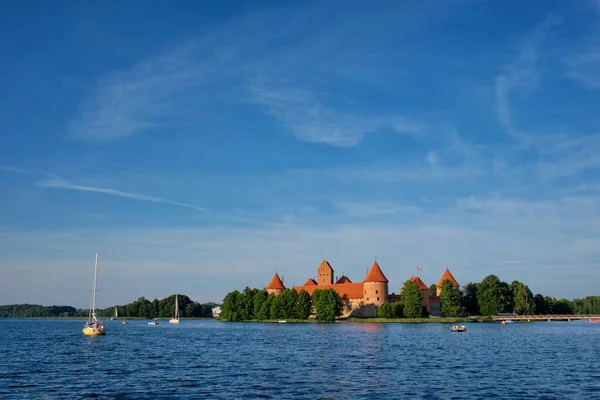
{"x": 116, "y": 315}
{"x": 175, "y": 320}
{"x": 93, "y": 326}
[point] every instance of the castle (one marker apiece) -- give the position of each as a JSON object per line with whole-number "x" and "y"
{"x": 363, "y": 298}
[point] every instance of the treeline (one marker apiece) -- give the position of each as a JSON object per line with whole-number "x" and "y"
{"x": 165, "y": 308}
{"x": 140, "y": 308}
{"x": 411, "y": 303}
{"x": 492, "y": 296}
{"x": 36, "y": 310}
{"x": 257, "y": 304}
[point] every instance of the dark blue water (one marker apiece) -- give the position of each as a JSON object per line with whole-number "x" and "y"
{"x": 209, "y": 359}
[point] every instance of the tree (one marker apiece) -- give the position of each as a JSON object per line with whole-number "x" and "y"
{"x": 523, "y": 299}
{"x": 449, "y": 302}
{"x": 258, "y": 300}
{"x": 289, "y": 298}
{"x": 492, "y": 296}
{"x": 412, "y": 299}
{"x": 303, "y": 305}
{"x": 230, "y": 309}
{"x": 328, "y": 304}
{"x": 433, "y": 289}
{"x": 540, "y": 304}
{"x": 277, "y": 307}
{"x": 468, "y": 298}
{"x": 563, "y": 306}
{"x": 265, "y": 308}
{"x": 385, "y": 311}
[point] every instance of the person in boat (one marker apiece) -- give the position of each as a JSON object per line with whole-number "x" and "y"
{"x": 463, "y": 327}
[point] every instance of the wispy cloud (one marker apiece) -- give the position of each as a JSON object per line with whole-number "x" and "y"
{"x": 17, "y": 170}
{"x": 65, "y": 184}
{"x": 311, "y": 120}
{"x": 584, "y": 68}
{"x": 149, "y": 94}
{"x": 521, "y": 74}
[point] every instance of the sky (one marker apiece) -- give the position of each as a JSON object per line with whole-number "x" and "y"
{"x": 203, "y": 146}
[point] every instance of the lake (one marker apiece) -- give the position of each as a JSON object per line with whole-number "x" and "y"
{"x": 211, "y": 359}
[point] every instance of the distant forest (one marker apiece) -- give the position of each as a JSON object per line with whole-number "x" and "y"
{"x": 140, "y": 308}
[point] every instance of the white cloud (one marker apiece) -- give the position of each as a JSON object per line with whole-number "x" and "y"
{"x": 210, "y": 261}
{"x": 520, "y": 75}
{"x": 584, "y": 68}
{"x": 310, "y": 120}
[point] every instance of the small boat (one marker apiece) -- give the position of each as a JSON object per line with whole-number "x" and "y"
{"x": 175, "y": 320}
{"x": 93, "y": 326}
{"x": 124, "y": 322}
{"x": 507, "y": 321}
{"x": 153, "y": 322}
{"x": 116, "y": 315}
{"x": 458, "y": 329}
{"x": 283, "y": 321}
{"x": 594, "y": 321}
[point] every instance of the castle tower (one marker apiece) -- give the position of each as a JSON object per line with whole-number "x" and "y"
{"x": 375, "y": 286}
{"x": 276, "y": 285}
{"x": 325, "y": 274}
{"x": 446, "y": 275}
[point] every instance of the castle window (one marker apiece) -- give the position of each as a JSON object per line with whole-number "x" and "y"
{"x": 377, "y": 292}
{"x": 378, "y": 299}
{"x": 367, "y": 299}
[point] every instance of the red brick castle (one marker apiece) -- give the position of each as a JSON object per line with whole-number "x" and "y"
{"x": 363, "y": 298}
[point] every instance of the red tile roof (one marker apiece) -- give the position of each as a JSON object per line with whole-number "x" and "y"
{"x": 310, "y": 282}
{"x": 326, "y": 264}
{"x": 375, "y": 274}
{"x": 419, "y": 283}
{"x": 343, "y": 279}
{"x": 345, "y": 290}
{"x": 448, "y": 275}
{"x": 275, "y": 283}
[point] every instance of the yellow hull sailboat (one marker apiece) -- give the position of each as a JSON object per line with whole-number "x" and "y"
{"x": 93, "y": 326}
{"x": 175, "y": 320}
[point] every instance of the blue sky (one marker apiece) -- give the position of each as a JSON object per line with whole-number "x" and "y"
{"x": 199, "y": 148}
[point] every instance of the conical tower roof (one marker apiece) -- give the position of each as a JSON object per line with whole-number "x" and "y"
{"x": 375, "y": 274}
{"x": 276, "y": 283}
{"x": 419, "y": 283}
{"x": 448, "y": 275}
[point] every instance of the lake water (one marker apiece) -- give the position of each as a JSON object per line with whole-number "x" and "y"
{"x": 210, "y": 359}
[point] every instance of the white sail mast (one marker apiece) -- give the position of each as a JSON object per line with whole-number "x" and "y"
{"x": 94, "y": 290}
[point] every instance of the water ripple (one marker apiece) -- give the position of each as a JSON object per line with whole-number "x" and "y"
{"x": 209, "y": 359}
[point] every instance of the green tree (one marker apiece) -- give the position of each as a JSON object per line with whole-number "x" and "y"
{"x": 540, "y": 304}
{"x": 492, "y": 296}
{"x": 412, "y": 299}
{"x": 303, "y": 305}
{"x": 277, "y": 307}
{"x": 433, "y": 290}
{"x": 549, "y": 304}
{"x": 385, "y": 311}
{"x": 230, "y": 310}
{"x": 328, "y": 304}
{"x": 468, "y": 298}
{"x": 524, "y": 303}
{"x": 398, "y": 309}
{"x": 289, "y": 300}
{"x": 449, "y": 301}
{"x": 563, "y": 306}
{"x": 258, "y": 300}
{"x": 265, "y": 309}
